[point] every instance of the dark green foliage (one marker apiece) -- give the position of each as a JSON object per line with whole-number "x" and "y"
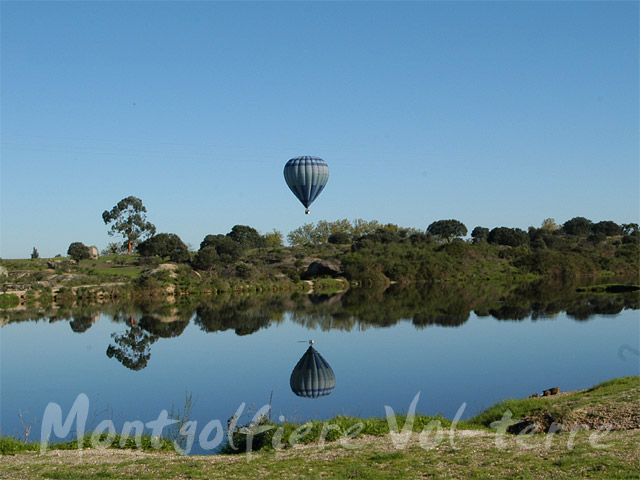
{"x": 132, "y": 348}
{"x": 11, "y": 446}
{"x": 480, "y": 234}
{"x": 9, "y": 300}
{"x": 246, "y": 236}
{"x": 420, "y": 238}
{"x": 629, "y": 252}
{"x": 340, "y": 238}
{"x": 129, "y": 219}
{"x": 80, "y": 324}
{"x": 273, "y": 239}
{"x": 78, "y": 251}
{"x": 606, "y": 228}
{"x": 157, "y": 328}
{"x": 211, "y": 241}
{"x": 447, "y": 229}
{"x": 597, "y": 237}
{"x": 206, "y": 258}
{"x": 578, "y": 226}
{"x": 552, "y": 263}
{"x": 245, "y": 316}
{"x": 540, "y": 238}
{"x": 35, "y": 254}
{"x": 512, "y": 237}
{"x": 228, "y": 250}
{"x": 164, "y": 245}
{"x": 320, "y": 232}
{"x": 630, "y": 229}
{"x": 244, "y": 271}
{"x": 384, "y": 235}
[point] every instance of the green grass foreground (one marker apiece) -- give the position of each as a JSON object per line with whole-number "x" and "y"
{"x": 477, "y": 450}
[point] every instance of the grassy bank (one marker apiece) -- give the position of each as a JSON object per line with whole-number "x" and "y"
{"x": 476, "y": 450}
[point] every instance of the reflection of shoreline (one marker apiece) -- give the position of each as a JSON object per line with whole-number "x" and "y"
{"x": 356, "y": 308}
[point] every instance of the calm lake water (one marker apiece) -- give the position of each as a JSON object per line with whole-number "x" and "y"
{"x": 384, "y": 347}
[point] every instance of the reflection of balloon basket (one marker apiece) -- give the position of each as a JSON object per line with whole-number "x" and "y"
{"x": 312, "y": 377}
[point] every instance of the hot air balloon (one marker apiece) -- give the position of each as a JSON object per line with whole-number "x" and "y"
{"x": 306, "y": 177}
{"x": 312, "y": 377}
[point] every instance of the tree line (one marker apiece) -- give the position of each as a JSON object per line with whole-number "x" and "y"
{"x": 368, "y": 243}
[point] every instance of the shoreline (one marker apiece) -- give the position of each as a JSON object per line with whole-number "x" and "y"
{"x": 609, "y": 405}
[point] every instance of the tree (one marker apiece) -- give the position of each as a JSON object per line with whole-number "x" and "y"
{"x": 206, "y": 258}
{"x": 362, "y": 227}
{"x": 129, "y": 219}
{"x": 607, "y": 227}
{"x": 301, "y": 235}
{"x": 578, "y": 226}
{"x": 630, "y": 228}
{"x": 273, "y": 239}
{"x": 631, "y": 233}
{"x": 78, "y": 251}
{"x": 246, "y": 236}
{"x": 133, "y": 348}
{"x": 549, "y": 224}
{"x": 512, "y": 237}
{"x": 227, "y": 249}
{"x": 340, "y": 238}
{"x": 447, "y": 229}
{"x": 35, "y": 254}
{"x": 211, "y": 241}
{"x": 480, "y": 234}
{"x": 81, "y": 323}
{"x": 164, "y": 245}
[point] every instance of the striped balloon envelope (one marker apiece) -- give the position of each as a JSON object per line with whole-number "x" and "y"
{"x": 306, "y": 177}
{"x": 312, "y": 377}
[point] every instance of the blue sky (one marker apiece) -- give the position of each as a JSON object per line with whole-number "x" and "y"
{"x": 493, "y": 113}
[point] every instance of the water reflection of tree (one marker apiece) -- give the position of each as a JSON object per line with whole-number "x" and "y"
{"x": 245, "y": 315}
{"x": 163, "y": 327}
{"x": 423, "y": 307}
{"x": 355, "y": 309}
{"x": 132, "y": 348}
{"x": 81, "y": 323}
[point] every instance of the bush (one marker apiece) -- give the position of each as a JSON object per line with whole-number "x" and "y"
{"x": 206, "y": 259}
{"x": 164, "y": 245}
{"x": 340, "y": 238}
{"x": 9, "y": 300}
{"x": 578, "y": 226}
{"x": 247, "y": 236}
{"x": 447, "y": 229}
{"x": 243, "y": 270}
{"x": 606, "y": 228}
{"x": 227, "y": 249}
{"x": 480, "y": 234}
{"x": 512, "y": 237}
{"x": 78, "y": 251}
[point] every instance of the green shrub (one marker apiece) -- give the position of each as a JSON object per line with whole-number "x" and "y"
{"x": 9, "y": 300}
{"x": 164, "y": 245}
